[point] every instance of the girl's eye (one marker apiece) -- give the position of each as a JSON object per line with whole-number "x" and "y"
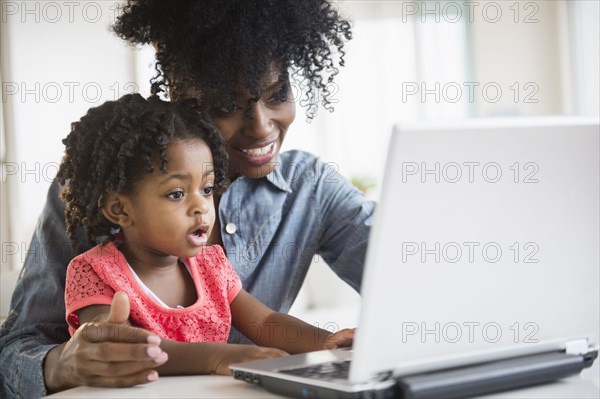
{"x": 208, "y": 190}
{"x": 176, "y": 195}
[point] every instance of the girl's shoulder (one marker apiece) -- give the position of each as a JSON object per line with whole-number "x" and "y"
{"x": 211, "y": 254}
{"x": 104, "y": 261}
{"x": 101, "y": 252}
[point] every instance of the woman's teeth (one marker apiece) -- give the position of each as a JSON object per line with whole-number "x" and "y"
{"x": 259, "y": 152}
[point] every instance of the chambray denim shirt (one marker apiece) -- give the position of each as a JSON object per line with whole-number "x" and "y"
{"x": 271, "y": 228}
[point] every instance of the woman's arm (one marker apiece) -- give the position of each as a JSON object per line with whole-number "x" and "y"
{"x": 30, "y": 330}
{"x": 266, "y": 327}
{"x": 346, "y": 216}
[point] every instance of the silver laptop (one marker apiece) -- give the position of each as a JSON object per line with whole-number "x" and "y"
{"x": 482, "y": 272}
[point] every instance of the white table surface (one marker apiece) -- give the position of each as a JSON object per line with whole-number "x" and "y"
{"x": 585, "y": 385}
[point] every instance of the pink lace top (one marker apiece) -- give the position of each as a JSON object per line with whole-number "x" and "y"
{"x": 94, "y": 276}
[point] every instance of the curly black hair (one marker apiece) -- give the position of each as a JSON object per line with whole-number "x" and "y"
{"x": 208, "y": 49}
{"x": 114, "y": 145}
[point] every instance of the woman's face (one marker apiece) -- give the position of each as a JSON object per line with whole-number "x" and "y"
{"x": 253, "y": 144}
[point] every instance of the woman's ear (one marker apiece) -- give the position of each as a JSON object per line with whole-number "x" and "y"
{"x": 115, "y": 210}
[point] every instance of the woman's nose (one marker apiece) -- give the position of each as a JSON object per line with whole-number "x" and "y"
{"x": 261, "y": 125}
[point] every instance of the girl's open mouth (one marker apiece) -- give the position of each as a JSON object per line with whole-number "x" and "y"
{"x": 198, "y": 236}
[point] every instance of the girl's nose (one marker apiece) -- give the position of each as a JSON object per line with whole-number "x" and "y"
{"x": 200, "y": 205}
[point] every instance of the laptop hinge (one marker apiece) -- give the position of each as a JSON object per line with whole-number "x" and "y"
{"x": 382, "y": 376}
{"x": 577, "y": 347}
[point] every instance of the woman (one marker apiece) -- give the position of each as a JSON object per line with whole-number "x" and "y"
{"x": 236, "y": 58}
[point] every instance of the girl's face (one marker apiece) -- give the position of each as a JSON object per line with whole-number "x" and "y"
{"x": 172, "y": 214}
{"x": 253, "y": 144}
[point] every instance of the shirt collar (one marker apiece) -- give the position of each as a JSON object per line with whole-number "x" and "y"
{"x": 276, "y": 178}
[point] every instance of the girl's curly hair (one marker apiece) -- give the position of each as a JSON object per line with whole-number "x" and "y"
{"x": 209, "y": 49}
{"x": 114, "y": 145}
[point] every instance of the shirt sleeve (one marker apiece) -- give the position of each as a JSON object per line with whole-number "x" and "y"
{"x": 36, "y": 321}
{"x": 83, "y": 288}
{"x": 346, "y": 217}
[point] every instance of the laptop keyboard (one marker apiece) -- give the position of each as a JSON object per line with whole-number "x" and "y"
{"x": 325, "y": 371}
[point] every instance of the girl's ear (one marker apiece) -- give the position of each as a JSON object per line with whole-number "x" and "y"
{"x": 115, "y": 210}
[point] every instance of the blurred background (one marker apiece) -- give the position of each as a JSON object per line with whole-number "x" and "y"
{"x": 409, "y": 60}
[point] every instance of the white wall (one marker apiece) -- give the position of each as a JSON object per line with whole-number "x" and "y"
{"x": 585, "y": 56}
{"x": 58, "y": 60}
{"x": 520, "y": 55}
{"x": 399, "y": 46}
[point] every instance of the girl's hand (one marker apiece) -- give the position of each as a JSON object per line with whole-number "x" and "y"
{"x": 241, "y": 353}
{"x": 340, "y": 339}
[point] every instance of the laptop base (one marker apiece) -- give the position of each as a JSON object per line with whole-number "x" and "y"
{"x": 494, "y": 376}
{"x": 460, "y": 382}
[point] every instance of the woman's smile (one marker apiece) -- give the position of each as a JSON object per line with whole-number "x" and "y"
{"x": 258, "y": 155}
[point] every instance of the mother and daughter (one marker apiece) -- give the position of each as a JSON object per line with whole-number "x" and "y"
{"x": 180, "y": 255}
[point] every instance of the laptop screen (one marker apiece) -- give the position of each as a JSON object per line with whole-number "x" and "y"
{"x": 485, "y": 243}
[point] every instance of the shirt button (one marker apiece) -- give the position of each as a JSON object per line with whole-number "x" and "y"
{"x": 231, "y": 228}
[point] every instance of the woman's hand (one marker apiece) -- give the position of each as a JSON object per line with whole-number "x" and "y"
{"x": 105, "y": 352}
{"x": 232, "y": 353}
{"x": 340, "y": 339}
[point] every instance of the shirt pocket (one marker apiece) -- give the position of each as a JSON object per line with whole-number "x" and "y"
{"x": 250, "y": 221}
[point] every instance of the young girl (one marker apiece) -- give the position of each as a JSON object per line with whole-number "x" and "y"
{"x": 140, "y": 175}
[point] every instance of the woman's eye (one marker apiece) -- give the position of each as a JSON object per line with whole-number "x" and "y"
{"x": 279, "y": 96}
{"x": 229, "y": 108}
{"x": 208, "y": 190}
{"x": 176, "y": 195}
